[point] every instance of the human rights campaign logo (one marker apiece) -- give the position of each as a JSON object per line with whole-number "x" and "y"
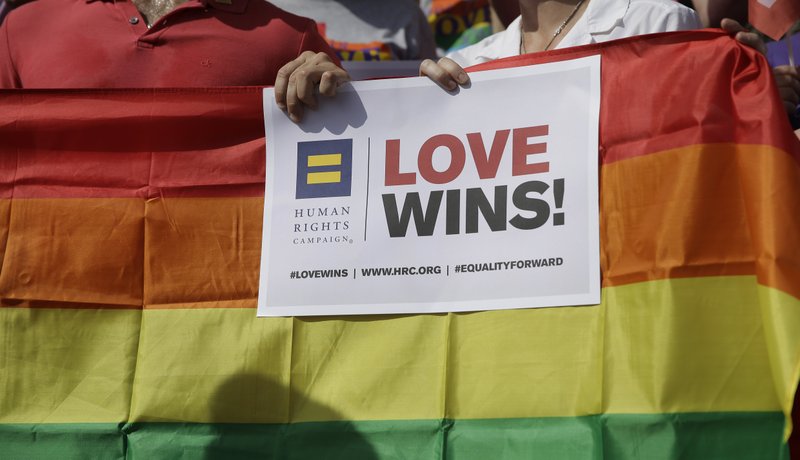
{"x": 324, "y": 168}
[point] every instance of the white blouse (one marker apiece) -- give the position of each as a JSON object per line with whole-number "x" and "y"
{"x": 602, "y": 21}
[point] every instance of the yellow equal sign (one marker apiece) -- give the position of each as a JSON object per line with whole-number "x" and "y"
{"x": 328, "y": 159}
{"x": 327, "y": 177}
{"x": 330, "y": 177}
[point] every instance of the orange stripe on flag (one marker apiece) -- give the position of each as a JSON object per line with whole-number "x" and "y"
{"x": 701, "y": 211}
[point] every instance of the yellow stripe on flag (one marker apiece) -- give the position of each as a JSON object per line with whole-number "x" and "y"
{"x": 695, "y": 344}
{"x": 235, "y": 365}
{"x": 329, "y": 177}
{"x": 279, "y": 370}
{"x": 650, "y": 348}
{"x": 67, "y": 365}
{"x": 329, "y": 159}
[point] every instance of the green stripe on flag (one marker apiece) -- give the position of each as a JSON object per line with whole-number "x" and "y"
{"x": 688, "y": 436}
{"x": 42, "y": 441}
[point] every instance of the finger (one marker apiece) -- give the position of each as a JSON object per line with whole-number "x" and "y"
{"x": 438, "y": 74}
{"x": 789, "y": 83}
{"x": 752, "y": 40}
{"x": 789, "y": 71}
{"x": 794, "y": 83}
{"x": 456, "y": 72}
{"x": 786, "y": 76}
{"x": 331, "y": 80}
{"x": 293, "y": 105}
{"x": 282, "y": 81}
{"x": 328, "y": 75}
{"x": 785, "y": 69}
{"x": 320, "y": 58}
{"x": 789, "y": 95}
{"x": 731, "y": 26}
{"x": 790, "y": 108}
{"x": 306, "y": 82}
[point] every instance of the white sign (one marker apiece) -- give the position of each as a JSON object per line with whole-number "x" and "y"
{"x": 399, "y": 197}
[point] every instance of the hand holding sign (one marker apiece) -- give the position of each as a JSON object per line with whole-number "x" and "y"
{"x": 445, "y": 72}
{"x": 299, "y": 80}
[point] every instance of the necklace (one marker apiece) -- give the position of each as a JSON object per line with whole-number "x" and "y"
{"x": 555, "y": 34}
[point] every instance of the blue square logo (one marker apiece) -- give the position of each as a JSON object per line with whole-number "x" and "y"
{"x": 324, "y": 168}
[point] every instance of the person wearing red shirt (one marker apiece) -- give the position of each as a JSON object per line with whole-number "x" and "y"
{"x": 172, "y": 43}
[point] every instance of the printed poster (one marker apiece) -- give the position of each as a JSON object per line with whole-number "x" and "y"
{"x": 399, "y": 197}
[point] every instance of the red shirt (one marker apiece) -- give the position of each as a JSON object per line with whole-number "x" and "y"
{"x": 106, "y": 43}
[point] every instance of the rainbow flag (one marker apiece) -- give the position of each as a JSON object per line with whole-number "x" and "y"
{"x": 130, "y": 238}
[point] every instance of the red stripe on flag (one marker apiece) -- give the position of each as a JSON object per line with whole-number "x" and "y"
{"x": 210, "y": 142}
{"x": 671, "y": 90}
{"x": 132, "y": 143}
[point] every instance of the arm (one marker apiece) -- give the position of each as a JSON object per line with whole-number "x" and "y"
{"x": 315, "y": 69}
